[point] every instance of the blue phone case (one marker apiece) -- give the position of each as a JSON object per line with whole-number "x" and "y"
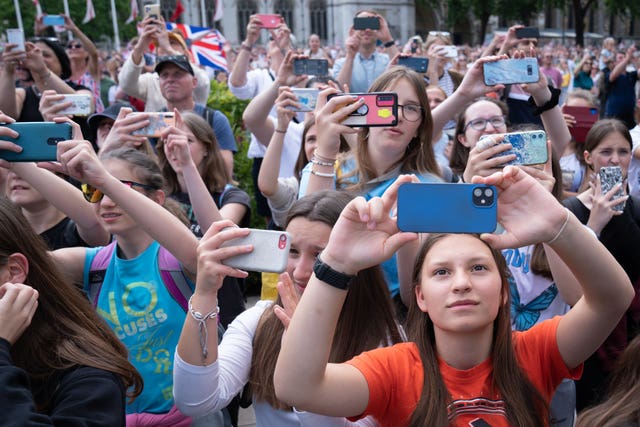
{"x": 417, "y": 64}
{"x": 511, "y": 71}
{"x": 530, "y": 147}
{"x": 447, "y": 208}
{"x": 39, "y": 141}
{"x": 53, "y": 20}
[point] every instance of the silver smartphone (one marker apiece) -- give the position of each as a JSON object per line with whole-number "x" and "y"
{"x": 609, "y": 177}
{"x": 80, "y": 105}
{"x": 16, "y": 36}
{"x": 270, "y": 251}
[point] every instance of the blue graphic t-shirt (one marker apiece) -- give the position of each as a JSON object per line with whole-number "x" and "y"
{"x": 138, "y": 307}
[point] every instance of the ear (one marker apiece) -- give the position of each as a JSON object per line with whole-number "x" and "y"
{"x": 462, "y": 139}
{"x": 159, "y": 196}
{"x": 587, "y": 158}
{"x": 18, "y": 268}
{"x": 195, "y": 81}
{"x": 420, "y": 298}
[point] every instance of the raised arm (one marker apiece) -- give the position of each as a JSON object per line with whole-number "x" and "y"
{"x": 622, "y": 65}
{"x": 311, "y": 383}
{"x": 89, "y": 46}
{"x": 11, "y": 98}
{"x": 530, "y": 214}
{"x": 134, "y": 64}
{"x": 80, "y": 161}
{"x": 238, "y": 76}
{"x": 44, "y": 78}
{"x": 342, "y": 69}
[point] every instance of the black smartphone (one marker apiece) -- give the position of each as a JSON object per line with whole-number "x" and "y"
{"x": 312, "y": 67}
{"x": 416, "y": 63}
{"x": 366, "y": 22}
{"x": 39, "y": 141}
{"x": 528, "y": 33}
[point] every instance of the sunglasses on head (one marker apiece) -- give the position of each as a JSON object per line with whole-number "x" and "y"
{"x": 93, "y": 195}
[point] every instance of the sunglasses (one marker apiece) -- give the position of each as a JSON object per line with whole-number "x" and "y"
{"x": 93, "y": 195}
{"x": 74, "y": 46}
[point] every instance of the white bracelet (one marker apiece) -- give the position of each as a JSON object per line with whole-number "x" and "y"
{"x": 203, "y": 332}
{"x": 323, "y": 175}
{"x": 564, "y": 225}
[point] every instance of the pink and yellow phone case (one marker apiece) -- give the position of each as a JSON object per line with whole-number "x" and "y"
{"x": 379, "y": 109}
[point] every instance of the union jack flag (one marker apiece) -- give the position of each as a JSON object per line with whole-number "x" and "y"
{"x": 206, "y": 45}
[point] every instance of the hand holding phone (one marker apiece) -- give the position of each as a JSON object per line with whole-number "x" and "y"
{"x": 152, "y": 10}
{"x": 610, "y": 176}
{"x": 529, "y": 147}
{"x": 80, "y": 105}
{"x": 157, "y": 123}
{"x": 447, "y": 208}
{"x": 16, "y": 36}
{"x": 511, "y": 71}
{"x": 307, "y": 98}
{"x": 39, "y": 140}
{"x": 270, "y": 21}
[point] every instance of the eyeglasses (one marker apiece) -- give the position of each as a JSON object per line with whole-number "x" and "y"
{"x": 93, "y": 195}
{"x": 74, "y": 46}
{"x": 481, "y": 124}
{"x": 411, "y": 112}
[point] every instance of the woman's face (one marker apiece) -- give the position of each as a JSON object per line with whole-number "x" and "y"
{"x": 310, "y": 142}
{"x": 50, "y": 58}
{"x": 436, "y": 97}
{"x": 308, "y": 239}
{"x": 460, "y": 286}
{"x": 474, "y": 117}
{"x": 75, "y": 50}
{"x": 392, "y": 142}
{"x": 613, "y": 150}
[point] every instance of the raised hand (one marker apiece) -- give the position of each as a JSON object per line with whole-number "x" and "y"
{"x": 289, "y": 298}
{"x": 18, "y": 304}
{"x": 602, "y": 205}
{"x": 481, "y": 159}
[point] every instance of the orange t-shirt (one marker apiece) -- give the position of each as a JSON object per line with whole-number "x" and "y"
{"x": 395, "y": 377}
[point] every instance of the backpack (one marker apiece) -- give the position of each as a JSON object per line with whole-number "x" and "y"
{"x": 170, "y": 271}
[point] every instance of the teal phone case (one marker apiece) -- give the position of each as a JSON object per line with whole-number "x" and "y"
{"x": 39, "y": 141}
{"x": 447, "y": 208}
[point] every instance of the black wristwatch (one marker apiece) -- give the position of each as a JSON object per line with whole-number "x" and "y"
{"x": 330, "y": 276}
{"x": 389, "y": 43}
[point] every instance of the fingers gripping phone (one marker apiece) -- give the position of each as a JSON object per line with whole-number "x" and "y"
{"x": 39, "y": 141}
{"x": 447, "y": 208}
{"x": 530, "y": 147}
{"x": 270, "y": 251}
{"x": 379, "y": 109}
{"x": 416, "y": 63}
{"x": 511, "y": 71}
{"x": 157, "y": 123}
{"x": 609, "y": 177}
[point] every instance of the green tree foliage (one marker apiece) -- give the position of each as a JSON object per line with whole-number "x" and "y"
{"x": 96, "y": 29}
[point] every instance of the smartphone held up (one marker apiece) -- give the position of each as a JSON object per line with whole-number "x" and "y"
{"x": 270, "y": 251}
{"x": 39, "y": 141}
{"x": 377, "y": 109}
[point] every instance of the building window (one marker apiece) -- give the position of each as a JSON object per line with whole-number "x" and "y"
{"x": 245, "y": 8}
{"x": 318, "y": 11}
{"x": 285, "y": 9}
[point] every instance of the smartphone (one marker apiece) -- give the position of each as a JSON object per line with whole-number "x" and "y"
{"x": 447, "y": 208}
{"x": 307, "y": 98}
{"x": 528, "y": 33}
{"x": 511, "y": 71}
{"x": 39, "y": 141}
{"x": 609, "y": 177}
{"x": 312, "y": 67}
{"x": 152, "y": 10}
{"x": 16, "y": 36}
{"x": 450, "y": 51}
{"x": 270, "y": 251}
{"x": 157, "y": 122}
{"x": 416, "y": 63}
{"x": 270, "y": 21}
{"x": 53, "y": 20}
{"x": 81, "y": 105}
{"x": 585, "y": 119}
{"x": 530, "y": 147}
{"x": 366, "y": 23}
{"x": 379, "y": 109}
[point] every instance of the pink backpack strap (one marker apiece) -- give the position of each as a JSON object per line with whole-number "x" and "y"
{"x": 173, "y": 278}
{"x": 97, "y": 271}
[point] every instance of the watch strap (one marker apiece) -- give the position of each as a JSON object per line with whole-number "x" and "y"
{"x": 330, "y": 276}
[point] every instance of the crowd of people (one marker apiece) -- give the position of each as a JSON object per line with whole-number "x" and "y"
{"x": 119, "y": 304}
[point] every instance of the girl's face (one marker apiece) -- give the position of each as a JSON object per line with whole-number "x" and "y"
{"x": 392, "y": 142}
{"x": 613, "y": 150}
{"x": 115, "y": 220}
{"x": 310, "y": 142}
{"x": 50, "y": 58}
{"x": 308, "y": 239}
{"x": 474, "y": 116}
{"x": 460, "y": 285}
{"x": 23, "y": 194}
{"x": 436, "y": 97}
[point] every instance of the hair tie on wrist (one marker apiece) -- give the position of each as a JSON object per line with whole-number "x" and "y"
{"x": 564, "y": 225}
{"x": 281, "y": 131}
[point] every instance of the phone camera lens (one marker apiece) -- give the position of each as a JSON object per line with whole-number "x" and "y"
{"x": 488, "y": 192}
{"x": 477, "y": 192}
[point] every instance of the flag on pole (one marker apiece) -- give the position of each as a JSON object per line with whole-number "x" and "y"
{"x": 90, "y": 14}
{"x": 134, "y": 12}
{"x": 36, "y": 3}
{"x": 218, "y": 14}
{"x": 176, "y": 13}
{"x": 206, "y": 45}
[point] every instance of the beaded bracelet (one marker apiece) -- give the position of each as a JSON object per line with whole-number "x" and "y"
{"x": 323, "y": 175}
{"x": 203, "y": 333}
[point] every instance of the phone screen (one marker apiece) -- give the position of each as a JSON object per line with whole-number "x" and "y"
{"x": 366, "y": 22}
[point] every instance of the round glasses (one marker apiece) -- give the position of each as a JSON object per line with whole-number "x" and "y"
{"x": 481, "y": 124}
{"x": 93, "y": 195}
{"x": 411, "y": 112}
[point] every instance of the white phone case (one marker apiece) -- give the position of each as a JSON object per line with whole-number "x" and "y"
{"x": 81, "y": 105}
{"x": 16, "y": 36}
{"x": 270, "y": 251}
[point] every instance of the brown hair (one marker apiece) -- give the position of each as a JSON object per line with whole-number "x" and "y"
{"x": 213, "y": 169}
{"x": 419, "y": 156}
{"x": 599, "y": 131}
{"x": 621, "y": 405}
{"x": 459, "y": 152}
{"x": 523, "y": 403}
{"x": 65, "y": 330}
{"x": 367, "y": 290}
